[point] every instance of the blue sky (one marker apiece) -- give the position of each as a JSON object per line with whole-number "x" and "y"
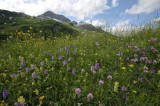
{"x": 96, "y": 12}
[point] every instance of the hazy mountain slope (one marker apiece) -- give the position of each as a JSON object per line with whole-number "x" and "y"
{"x": 50, "y": 15}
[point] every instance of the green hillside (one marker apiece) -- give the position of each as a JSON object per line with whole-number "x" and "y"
{"x": 20, "y": 22}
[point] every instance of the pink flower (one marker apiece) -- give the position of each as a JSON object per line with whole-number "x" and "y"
{"x": 82, "y": 70}
{"x": 90, "y": 96}
{"x": 101, "y": 82}
{"x": 78, "y": 91}
{"x": 109, "y": 77}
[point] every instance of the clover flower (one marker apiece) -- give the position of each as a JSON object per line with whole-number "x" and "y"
{"x": 33, "y": 66}
{"x": 27, "y": 69}
{"x": 152, "y": 48}
{"x": 90, "y": 96}
{"x": 73, "y": 71}
{"x": 68, "y": 68}
{"x": 140, "y": 79}
{"x": 74, "y": 52}
{"x": 97, "y": 43}
{"x": 60, "y": 58}
{"x": 34, "y": 75}
{"x": 68, "y": 51}
{"x": 42, "y": 63}
{"x": 78, "y": 91}
{"x": 135, "y": 55}
{"x": 64, "y": 62}
{"x": 153, "y": 40}
{"x": 123, "y": 88}
{"x": 14, "y": 75}
{"x": 127, "y": 58}
{"x": 97, "y": 66}
{"x": 45, "y": 71}
{"x": 92, "y": 68}
{"x": 82, "y": 70}
{"x": 69, "y": 59}
{"x": 5, "y": 94}
{"x": 22, "y": 64}
{"x": 155, "y": 51}
{"x": 132, "y": 43}
{"x": 109, "y": 77}
{"x": 101, "y": 82}
{"x": 153, "y": 71}
{"x": 52, "y": 57}
{"x": 120, "y": 53}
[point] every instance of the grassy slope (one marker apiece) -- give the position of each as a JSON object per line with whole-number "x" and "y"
{"x": 48, "y": 27}
{"x": 59, "y": 85}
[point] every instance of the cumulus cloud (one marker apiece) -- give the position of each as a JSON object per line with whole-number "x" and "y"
{"x": 75, "y": 8}
{"x": 96, "y": 22}
{"x": 122, "y": 25}
{"x": 114, "y": 3}
{"x": 144, "y": 6}
{"x": 156, "y": 20}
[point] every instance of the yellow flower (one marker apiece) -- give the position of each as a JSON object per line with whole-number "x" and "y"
{"x": 41, "y": 98}
{"x": 131, "y": 70}
{"x": 134, "y": 91}
{"x": 123, "y": 68}
{"x": 131, "y": 65}
{"x": 2, "y": 103}
{"x": 134, "y": 82}
{"x": 30, "y": 27}
{"x": 116, "y": 85}
{"x": 21, "y": 99}
{"x": 121, "y": 63}
{"x": 36, "y": 92}
{"x": 33, "y": 83}
{"x": 7, "y": 81}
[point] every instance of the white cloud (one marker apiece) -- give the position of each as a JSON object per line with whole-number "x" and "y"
{"x": 144, "y": 6}
{"x": 96, "y": 22}
{"x": 114, "y": 3}
{"x": 156, "y": 20}
{"x": 124, "y": 28}
{"x": 122, "y": 25}
{"x": 75, "y": 8}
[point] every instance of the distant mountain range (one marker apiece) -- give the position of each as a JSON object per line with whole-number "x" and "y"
{"x": 5, "y": 13}
{"x": 60, "y": 18}
{"x": 13, "y": 17}
{"x": 50, "y": 15}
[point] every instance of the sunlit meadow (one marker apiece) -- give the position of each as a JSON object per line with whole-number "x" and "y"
{"x": 88, "y": 69}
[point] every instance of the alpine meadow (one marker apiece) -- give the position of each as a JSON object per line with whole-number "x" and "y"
{"x": 52, "y": 61}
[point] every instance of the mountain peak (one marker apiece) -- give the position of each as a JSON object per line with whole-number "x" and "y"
{"x": 50, "y": 15}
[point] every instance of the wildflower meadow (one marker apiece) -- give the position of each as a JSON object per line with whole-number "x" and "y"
{"x": 89, "y": 69}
